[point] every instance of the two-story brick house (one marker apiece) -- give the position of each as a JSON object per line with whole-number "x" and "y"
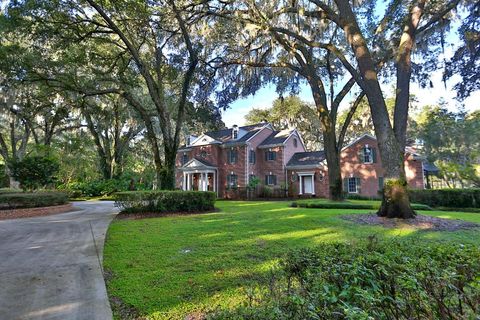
{"x": 227, "y": 159}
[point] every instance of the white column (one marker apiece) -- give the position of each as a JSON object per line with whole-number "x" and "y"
{"x": 184, "y": 182}
{"x": 300, "y": 184}
{"x": 204, "y": 181}
{"x": 188, "y": 181}
{"x": 214, "y": 181}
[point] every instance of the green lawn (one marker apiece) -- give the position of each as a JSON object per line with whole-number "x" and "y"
{"x": 167, "y": 268}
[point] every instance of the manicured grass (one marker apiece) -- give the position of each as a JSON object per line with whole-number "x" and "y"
{"x": 167, "y": 268}
{"x": 347, "y": 204}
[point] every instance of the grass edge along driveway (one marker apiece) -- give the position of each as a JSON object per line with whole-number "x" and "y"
{"x": 167, "y": 268}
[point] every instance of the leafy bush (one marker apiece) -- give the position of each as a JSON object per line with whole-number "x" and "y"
{"x": 19, "y": 200}
{"x": 398, "y": 280}
{"x": 165, "y": 201}
{"x": 34, "y": 172}
{"x": 4, "y": 181}
{"x": 348, "y": 205}
{"x": 96, "y": 188}
{"x": 455, "y": 198}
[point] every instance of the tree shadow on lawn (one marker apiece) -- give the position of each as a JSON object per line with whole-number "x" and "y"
{"x": 202, "y": 262}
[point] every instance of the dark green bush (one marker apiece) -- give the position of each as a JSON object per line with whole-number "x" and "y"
{"x": 399, "y": 280}
{"x": 455, "y": 198}
{"x": 165, "y": 201}
{"x": 32, "y": 199}
{"x": 34, "y": 172}
{"x": 96, "y": 188}
{"x": 348, "y": 205}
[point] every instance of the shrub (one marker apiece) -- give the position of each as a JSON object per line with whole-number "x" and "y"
{"x": 348, "y": 205}
{"x": 398, "y": 280}
{"x": 165, "y": 201}
{"x": 34, "y": 172}
{"x": 455, "y": 198}
{"x": 32, "y": 199}
{"x": 96, "y": 188}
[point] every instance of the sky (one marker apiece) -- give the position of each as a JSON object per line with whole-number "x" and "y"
{"x": 426, "y": 96}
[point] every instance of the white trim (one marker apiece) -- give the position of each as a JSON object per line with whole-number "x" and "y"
{"x": 260, "y": 130}
{"x": 210, "y": 140}
{"x": 297, "y": 134}
{"x": 301, "y": 175}
{"x": 365, "y": 135}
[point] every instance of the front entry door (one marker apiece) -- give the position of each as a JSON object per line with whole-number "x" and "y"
{"x": 307, "y": 184}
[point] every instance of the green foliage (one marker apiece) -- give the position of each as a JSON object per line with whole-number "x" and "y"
{"x": 369, "y": 205}
{"x": 12, "y": 200}
{"x": 3, "y": 177}
{"x": 165, "y": 201}
{"x": 454, "y": 198}
{"x": 95, "y": 188}
{"x": 376, "y": 280}
{"x": 34, "y": 172}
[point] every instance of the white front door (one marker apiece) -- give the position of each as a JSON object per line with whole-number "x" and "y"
{"x": 307, "y": 184}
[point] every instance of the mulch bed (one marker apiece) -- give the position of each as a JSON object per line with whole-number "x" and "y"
{"x": 35, "y": 212}
{"x": 421, "y": 222}
{"x": 146, "y": 215}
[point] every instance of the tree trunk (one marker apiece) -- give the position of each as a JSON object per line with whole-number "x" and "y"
{"x": 167, "y": 181}
{"x": 333, "y": 164}
{"x": 404, "y": 73}
{"x": 395, "y": 201}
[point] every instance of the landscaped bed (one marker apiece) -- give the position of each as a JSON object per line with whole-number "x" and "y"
{"x": 179, "y": 266}
{"x": 16, "y": 204}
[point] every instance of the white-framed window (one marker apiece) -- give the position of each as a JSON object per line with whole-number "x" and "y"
{"x": 232, "y": 156}
{"x": 367, "y": 154}
{"x": 252, "y": 157}
{"x": 270, "y": 155}
{"x": 270, "y": 179}
{"x": 353, "y": 185}
{"x": 232, "y": 180}
{"x": 184, "y": 158}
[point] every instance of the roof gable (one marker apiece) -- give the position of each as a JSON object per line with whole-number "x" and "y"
{"x": 196, "y": 164}
{"x": 307, "y": 159}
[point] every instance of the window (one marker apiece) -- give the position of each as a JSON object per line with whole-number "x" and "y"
{"x": 270, "y": 155}
{"x": 380, "y": 183}
{"x": 235, "y": 134}
{"x": 203, "y": 154}
{"x": 368, "y": 155}
{"x": 232, "y": 156}
{"x": 184, "y": 158}
{"x": 232, "y": 180}
{"x": 252, "y": 157}
{"x": 270, "y": 180}
{"x": 295, "y": 142}
{"x": 353, "y": 185}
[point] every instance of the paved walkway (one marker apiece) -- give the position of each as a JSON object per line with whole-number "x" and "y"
{"x": 50, "y": 267}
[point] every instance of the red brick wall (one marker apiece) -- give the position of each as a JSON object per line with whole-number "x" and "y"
{"x": 290, "y": 148}
{"x": 276, "y": 167}
{"x": 369, "y": 173}
{"x": 321, "y": 186}
{"x": 253, "y": 144}
{"x": 225, "y": 168}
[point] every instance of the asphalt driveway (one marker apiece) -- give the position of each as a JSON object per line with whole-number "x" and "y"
{"x": 51, "y": 266}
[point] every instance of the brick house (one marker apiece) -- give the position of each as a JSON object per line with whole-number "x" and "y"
{"x": 225, "y": 160}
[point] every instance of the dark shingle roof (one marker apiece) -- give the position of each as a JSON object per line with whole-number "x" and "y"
{"x": 225, "y": 135}
{"x": 430, "y": 167}
{"x": 277, "y": 137}
{"x": 311, "y": 158}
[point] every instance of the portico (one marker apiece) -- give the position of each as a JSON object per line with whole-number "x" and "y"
{"x": 199, "y": 176}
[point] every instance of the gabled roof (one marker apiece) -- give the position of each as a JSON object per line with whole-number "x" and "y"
{"x": 311, "y": 159}
{"x": 430, "y": 167}
{"x": 365, "y": 135}
{"x": 276, "y": 138}
{"x": 225, "y": 135}
{"x": 196, "y": 163}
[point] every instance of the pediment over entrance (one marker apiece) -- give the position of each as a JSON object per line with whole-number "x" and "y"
{"x": 197, "y": 164}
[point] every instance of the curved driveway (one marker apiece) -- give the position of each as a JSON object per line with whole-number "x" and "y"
{"x": 50, "y": 267}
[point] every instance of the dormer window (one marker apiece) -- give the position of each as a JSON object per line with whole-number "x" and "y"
{"x": 235, "y": 132}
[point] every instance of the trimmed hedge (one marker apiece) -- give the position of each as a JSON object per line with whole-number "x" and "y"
{"x": 21, "y": 200}
{"x": 453, "y": 198}
{"x": 374, "y": 280}
{"x": 164, "y": 201}
{"x": 348, "y": 205}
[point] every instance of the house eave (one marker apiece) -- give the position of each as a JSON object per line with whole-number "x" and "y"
{"x": 307, "y": 166}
